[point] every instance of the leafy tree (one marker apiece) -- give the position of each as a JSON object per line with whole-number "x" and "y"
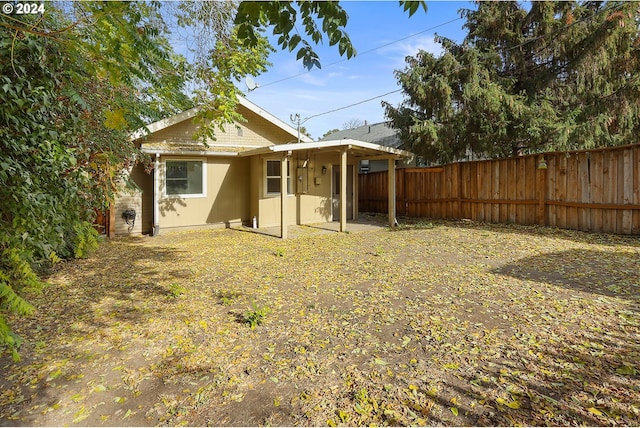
{"x": 353, "y": 123}
{"x": 73, "y": 84}
{"x": 329, "y": 132}
{"x": 555, "y": 76}
{"x": 304, "y": 131}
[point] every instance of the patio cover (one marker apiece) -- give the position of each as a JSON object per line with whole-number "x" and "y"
{"x": 358, "y": 149}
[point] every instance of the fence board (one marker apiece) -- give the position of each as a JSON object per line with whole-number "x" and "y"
{"x": 608, "y": 188}
{"x": 584, "y": 221}
{"x": 552, "y": 167}
{"x": 635, "y": 223}
{"x": 487, "y": 179}
{"x": 597, "y": 179}
{"x": 571, "y": 191}
{"x": 561, "y": 192}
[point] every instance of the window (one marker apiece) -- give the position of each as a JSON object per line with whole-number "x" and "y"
{"x": 273, "y": 177}
{"x": 185, "y": 178}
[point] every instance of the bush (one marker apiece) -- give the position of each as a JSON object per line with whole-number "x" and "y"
{"x": 16, "y": 276}
{"x": 80, "y": 241}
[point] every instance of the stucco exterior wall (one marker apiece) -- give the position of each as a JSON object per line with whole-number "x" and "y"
{"x": 226, "y": 201}
{"x": 312, "y": 200}
{"x": 128, "y": 201}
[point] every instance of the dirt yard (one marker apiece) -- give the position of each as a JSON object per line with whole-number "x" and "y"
{"x": 431, "y": 324}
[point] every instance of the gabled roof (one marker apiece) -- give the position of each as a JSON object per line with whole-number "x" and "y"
{"x": 189, "y": 114}
{"x": 358, "y": 148}
{"x": 378, "y": 133}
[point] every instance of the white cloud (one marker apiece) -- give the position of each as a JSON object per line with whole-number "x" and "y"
{"x": 397, "y": 52}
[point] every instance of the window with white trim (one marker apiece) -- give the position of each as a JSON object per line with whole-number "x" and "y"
{"x": 272, "y": 177}
{"x": 185, "y": 178}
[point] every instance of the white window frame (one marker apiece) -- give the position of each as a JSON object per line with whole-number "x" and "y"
{"x": 189, "y": 195}
{"x": 266, "y": 177}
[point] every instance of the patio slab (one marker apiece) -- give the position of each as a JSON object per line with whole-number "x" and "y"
{"x": 366, "y": 223}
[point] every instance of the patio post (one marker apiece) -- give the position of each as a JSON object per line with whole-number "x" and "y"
{"x": 343, "y": 191}
{"x": 392, "y": 192}
{"x": 283, "y": 196}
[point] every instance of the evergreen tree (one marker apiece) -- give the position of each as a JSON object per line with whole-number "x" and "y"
{"x": 545, "y": 76}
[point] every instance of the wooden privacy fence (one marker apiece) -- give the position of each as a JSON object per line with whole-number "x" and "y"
{"x": 592, "y": 190}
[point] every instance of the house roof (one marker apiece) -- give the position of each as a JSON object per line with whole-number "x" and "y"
{"x": 378, "y": 133}
{"x": 189, "y": 114}
{"x": 358, "y": 148}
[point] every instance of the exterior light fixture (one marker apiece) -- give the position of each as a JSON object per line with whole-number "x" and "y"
{"x": 324, "y": 169}
{"x": 542, "y": 164}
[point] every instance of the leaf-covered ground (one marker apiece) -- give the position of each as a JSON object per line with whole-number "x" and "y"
{"x": 443, "y": 324}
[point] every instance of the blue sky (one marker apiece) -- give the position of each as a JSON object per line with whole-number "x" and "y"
{"x": 371, "y": 24}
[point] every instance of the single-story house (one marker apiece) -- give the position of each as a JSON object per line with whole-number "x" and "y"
{"x": 241, "y": 176}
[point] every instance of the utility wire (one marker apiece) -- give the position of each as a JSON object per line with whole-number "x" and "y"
{"x": 362, "y": 53}
{"x": 352, "y": 105}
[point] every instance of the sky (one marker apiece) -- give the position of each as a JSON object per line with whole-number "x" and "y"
{"x": 371, "y": 24}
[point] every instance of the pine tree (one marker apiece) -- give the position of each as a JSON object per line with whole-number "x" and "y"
{"x": 553, "y": 76}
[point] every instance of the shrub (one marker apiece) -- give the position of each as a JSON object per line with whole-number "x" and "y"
{"x": 16, "y": 276}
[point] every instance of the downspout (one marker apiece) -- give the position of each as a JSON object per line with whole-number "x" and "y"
{"x": 156, "y": 181}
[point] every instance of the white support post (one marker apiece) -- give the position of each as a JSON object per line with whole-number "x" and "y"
{"x": 283, "y": 197}
{"x": 392, "y": 192}
{"x": 356, "y": 190}
{"x": 343, "y": 191}
{"x": 156, "y": 196}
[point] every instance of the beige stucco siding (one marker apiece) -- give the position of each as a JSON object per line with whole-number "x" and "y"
{"x": 128, "y": 201}
{"x": 226, "y": 201}
{"x": 311, "y": 202}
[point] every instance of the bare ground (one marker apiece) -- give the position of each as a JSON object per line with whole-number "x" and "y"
{"x": 432, "y": 324}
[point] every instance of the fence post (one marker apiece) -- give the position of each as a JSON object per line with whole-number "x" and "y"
{"x": 111, "y": 220}
{"x": 542, "y": 191}
{"x": 404, "y": 192}
{"x": 459, "y": 190}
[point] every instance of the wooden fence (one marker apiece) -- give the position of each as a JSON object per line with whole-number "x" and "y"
{"x": 592, "y": 190}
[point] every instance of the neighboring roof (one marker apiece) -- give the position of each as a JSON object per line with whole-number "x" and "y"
{"x": 189, "y": 114}
{"x": 378, "y": 133}
{"x": 359, "y": 148}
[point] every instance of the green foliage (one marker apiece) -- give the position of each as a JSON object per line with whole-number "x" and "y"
{"x": 256, "y": 315}
{"x": 73, "y": 84}
{"x": 85, "y": 240}
{"x": 528, "y": 78}
{"x": 217, "y": 99}
{"x": 16, "y": 277}
{"x": 176, "y": 290}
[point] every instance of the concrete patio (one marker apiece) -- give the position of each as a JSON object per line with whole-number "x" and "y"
{"x": 365, "y": 223}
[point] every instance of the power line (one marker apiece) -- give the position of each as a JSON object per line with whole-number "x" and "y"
{"x": 362, "y": 53}
{"x": 352, "y": 105}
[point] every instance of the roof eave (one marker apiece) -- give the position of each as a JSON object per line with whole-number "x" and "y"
{"x": 169, "y": 152}
{"x": 331, "y": 144}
